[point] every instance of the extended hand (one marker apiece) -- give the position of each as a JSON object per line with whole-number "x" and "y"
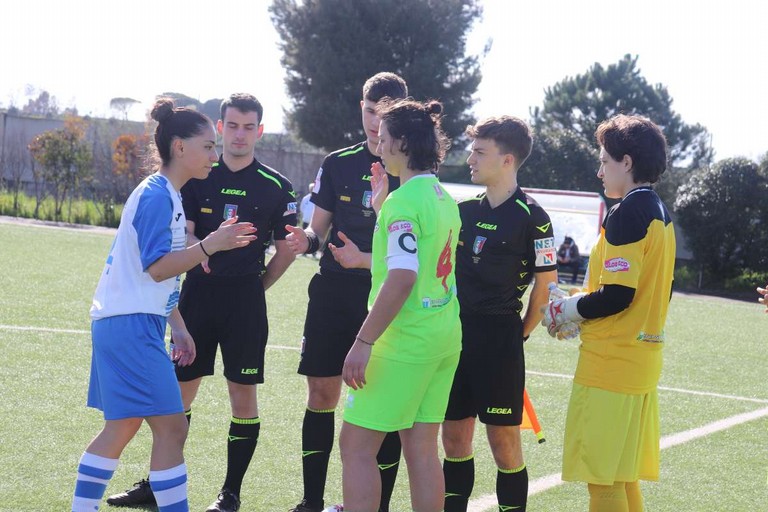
{"x": 230, "y": 235}
{"x": 297, "y": 239}
{"x": 764, "y": 298}
{"x": 348, "y": 255}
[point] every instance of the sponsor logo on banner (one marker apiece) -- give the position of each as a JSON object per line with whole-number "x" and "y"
{"x": 477, "y": 247}
{"x": 230, "y": 210}
{"x": 367, "y": 197}
{"x": 400, "y": 225}
{"x": 546, "y": 253}
{"x": 616, "y": 265}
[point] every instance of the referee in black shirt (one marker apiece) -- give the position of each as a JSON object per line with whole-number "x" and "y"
{"x": 338, "y": 293}
{"x": 506, "y": 241}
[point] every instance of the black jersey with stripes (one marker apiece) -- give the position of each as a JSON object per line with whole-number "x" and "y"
{"x": 256, "y": 194}
{"x": 499, "y": 251}
{"x": 343, "y": 187}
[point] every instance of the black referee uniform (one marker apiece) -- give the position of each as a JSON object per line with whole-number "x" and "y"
{"x": 338, "y": 296}
{"x": 498, "y": 253}
{"x": 227, "y": 307}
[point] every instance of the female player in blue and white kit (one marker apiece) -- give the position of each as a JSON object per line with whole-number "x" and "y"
{"x": 132, "y": 376}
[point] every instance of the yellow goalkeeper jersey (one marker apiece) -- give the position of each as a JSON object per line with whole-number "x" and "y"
{"x": 636, "y": 248}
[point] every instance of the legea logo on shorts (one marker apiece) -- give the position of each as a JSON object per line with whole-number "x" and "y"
{"x": 249, "y": 371}
{"x": 498, "y": 410}
{"x": 616, "y": 265}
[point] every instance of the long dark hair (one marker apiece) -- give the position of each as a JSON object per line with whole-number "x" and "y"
{"x": 417, "y": 126}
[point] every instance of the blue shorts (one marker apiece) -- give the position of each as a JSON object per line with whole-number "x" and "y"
{"x": 132, "y": 375}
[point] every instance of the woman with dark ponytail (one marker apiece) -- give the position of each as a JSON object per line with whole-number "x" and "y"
{"x": 401, "y": 366}
{"x": 132, "y": 374}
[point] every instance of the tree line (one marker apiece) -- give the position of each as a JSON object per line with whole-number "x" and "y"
{"x": 328, "y": 52}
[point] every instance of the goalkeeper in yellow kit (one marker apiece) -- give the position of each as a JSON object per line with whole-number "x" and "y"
{"x": 612, "y": 428}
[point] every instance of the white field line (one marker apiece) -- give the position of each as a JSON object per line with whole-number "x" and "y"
{"x": 665, "y": 388}
{"x": 41, "y": 329}
{"x": 81, "y": 331}
{"x": 530, "y": 372}
{"x": 488, "y": 502}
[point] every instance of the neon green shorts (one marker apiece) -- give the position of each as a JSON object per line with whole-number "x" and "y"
{"x": 611, "y": 437}
{"x": 398, "y": 394}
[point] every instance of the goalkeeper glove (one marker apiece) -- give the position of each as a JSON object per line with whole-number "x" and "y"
{"x": 560, "y": 312}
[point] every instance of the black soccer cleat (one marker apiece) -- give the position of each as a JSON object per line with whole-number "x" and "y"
{"x": 305, "y": 507}
{"x": 138, "y": 495}
{"x": 226, "y": 502}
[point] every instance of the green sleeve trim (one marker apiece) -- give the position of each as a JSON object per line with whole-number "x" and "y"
{"x": 270, "y": 177}
{"x": 321, "y": 411}
{"x": 515, "y": 470}
{"x": 351, "y": 152}
{"x": 246, "y": 421}
{"x": 523, "y": 205}
{"x": 461, "y": 459}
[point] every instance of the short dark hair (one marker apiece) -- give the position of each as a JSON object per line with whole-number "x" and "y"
{"x": 384, "y": 84}
{"x": 417, "y": 126}
{"x": 173, "y": 123}
{"x": 243, "y": 102}
{"x": 511, "y": 134}
{"x": 639, "y": 138}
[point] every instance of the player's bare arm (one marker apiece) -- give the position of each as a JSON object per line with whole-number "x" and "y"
{"x": 278, "y": 264}
{"x": 183, "y": 349}
{"x": 393, "y": 294}
{"x": 230, "y": 235}
{"x": 538, "y": 299}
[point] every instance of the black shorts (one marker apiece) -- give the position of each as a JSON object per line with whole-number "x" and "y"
{"x": 231, "y": 313}
{"x": 338, "y": 305}
{"x": 490, "y": 378}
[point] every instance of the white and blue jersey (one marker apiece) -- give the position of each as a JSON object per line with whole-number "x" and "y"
{"x": 152, "y": 225}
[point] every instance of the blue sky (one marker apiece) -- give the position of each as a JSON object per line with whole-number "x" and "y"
{"x": 711, "y": 56}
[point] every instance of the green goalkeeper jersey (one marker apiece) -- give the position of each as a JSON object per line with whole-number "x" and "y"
{"x": 418, "y": 229}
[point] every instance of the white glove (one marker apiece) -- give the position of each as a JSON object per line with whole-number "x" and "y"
{"x": 561, "y": 311}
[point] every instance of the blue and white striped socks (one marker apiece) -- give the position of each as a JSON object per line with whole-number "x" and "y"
{"x": 93, "y": 474}
{"x": 170, "y": 488}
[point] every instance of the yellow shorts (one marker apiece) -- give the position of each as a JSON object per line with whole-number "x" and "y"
{"x": 611, "y": 437}
{"x": 399, "y": 394}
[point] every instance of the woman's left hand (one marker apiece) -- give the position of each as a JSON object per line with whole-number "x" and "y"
{"x": 355, "y": 364}
{"x": 183, "y": 348}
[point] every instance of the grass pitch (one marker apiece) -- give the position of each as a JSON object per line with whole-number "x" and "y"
{"x": 713, "y": 380}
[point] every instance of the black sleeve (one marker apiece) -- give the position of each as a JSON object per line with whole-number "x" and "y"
{"x": 607, "y": 301}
